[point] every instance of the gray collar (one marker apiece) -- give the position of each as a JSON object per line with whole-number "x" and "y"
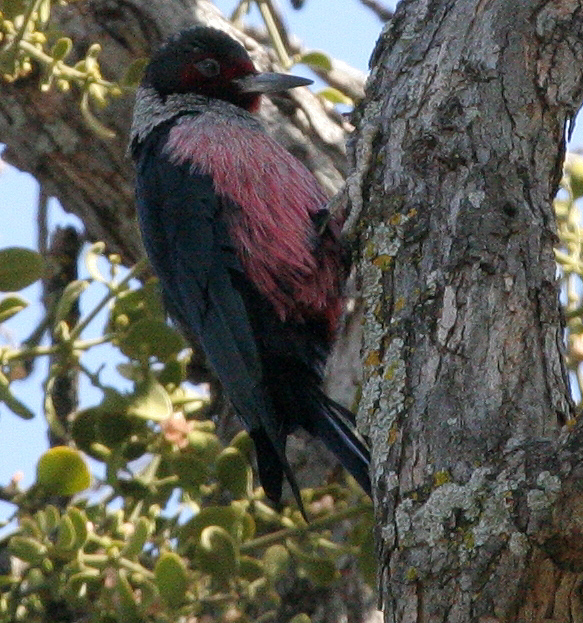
{"x": 151, "y": 110}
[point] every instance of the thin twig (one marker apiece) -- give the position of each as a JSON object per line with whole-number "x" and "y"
{"x": 64, "y": 70}
{"x": 342, "y": 76}
{"x": 276, "y": 33}
{"x": 313, "y": 526}
{"x": 378, "y": 9}
{"x": 136, "y": 270}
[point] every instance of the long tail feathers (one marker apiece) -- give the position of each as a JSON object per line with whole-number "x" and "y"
{"x": 272, "y": 464}
{"x": 330, "y": 422}
{"x": 332, "y": 428}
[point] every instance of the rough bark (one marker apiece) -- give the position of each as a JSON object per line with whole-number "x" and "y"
{"x": 465, "y": 395}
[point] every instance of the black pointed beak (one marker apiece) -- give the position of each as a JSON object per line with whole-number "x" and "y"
{"x": 270, "y": 83}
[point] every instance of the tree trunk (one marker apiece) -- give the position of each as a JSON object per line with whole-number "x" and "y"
{"x": 466, "y": 396}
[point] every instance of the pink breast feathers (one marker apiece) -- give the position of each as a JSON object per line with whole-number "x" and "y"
{"x": 273, "y": 230}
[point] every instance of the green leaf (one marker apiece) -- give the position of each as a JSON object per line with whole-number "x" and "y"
{"x": 301, "y": 618}
{"x": 27, "y": 549}
{"x": 114, "y": 429}
{"x": 190, "y": 401}
{"x": 190, "y": 469}
{"x": 321, "y": 571}
{"x": 261, "y": 592}
{"x": 48, "y": 518}
{"x": 65, "y": 534}
{"x": 574, "y": 168}
{"x": 84, "y": 430}
{"x": 250, "y": 569}
{"x": 62, "y": 49}
{"x": 318, "y": 60}
{"x": 10, "y": 400}
{"x": 127, "y": 604}
{"x": 134, "y": 73}
{"x": 135, "y": 544}
{"x": 78, "y": 582}
{"x": 243, "y": 442}
{"x": 72, "y": 292}
{"x": 276, "y": 561}
{"x": 149, "y": 593}
{"x": 134, "y": 449}
{"x": 19, "y": 268}
{"x": 217, "y": 554}
{"x": 204, "y": 445}
{"x": 234, "y": 472}
{"x": 29, "y": 527}
{"x": 150, "y": 402}
{"x": 151, "y": 338}
{"x": 173, "y": 373}
{"x": 134, "y": 305}
{"x": 44, "y": 11}
{"x": 335, "y": 96}
{"x": 230, "y": 518}
{"x": 79, "y": 521}
{"x": 130, "y": 371}
{"x": 92, "y": 257}
{"x": 171, "y": 578}
{"x": 10, "y": 305}
{"x": 62, "y": 471}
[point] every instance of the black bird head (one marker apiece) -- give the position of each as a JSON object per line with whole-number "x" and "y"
{"x": 208, "y": 62}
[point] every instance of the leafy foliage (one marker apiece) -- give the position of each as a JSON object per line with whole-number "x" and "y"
{"x": 569, "y": 256}
{"x": 176, "y": 527}
{"x": 26, "y": 40}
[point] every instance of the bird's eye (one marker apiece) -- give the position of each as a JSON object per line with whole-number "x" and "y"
{"x": 209, "y": 67}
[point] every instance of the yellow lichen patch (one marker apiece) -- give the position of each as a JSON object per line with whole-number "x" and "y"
{"x": 392, "y": 437}
{"x": 411, "y": 574}
{"x": 373, "y": 358}
{"x": 395, "y": 220}
{"x": 390, "y": 371}
{"x": 441, "y": 478}
{"x": 399, "y": 304}
{"x": 383, "y": 262}
{"x": 377, "y": 312}
{"x": 370, "y": 250}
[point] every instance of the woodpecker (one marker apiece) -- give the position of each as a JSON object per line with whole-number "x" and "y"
{"x": 249, "y": 260}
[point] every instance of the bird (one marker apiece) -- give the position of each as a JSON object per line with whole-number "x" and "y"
{"x": 250, "y": 261}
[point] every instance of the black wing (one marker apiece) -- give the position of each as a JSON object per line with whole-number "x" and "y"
{"x": 191, "y": 252}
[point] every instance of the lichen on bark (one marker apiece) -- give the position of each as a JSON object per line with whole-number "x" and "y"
{"x": 465, "y": 393}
